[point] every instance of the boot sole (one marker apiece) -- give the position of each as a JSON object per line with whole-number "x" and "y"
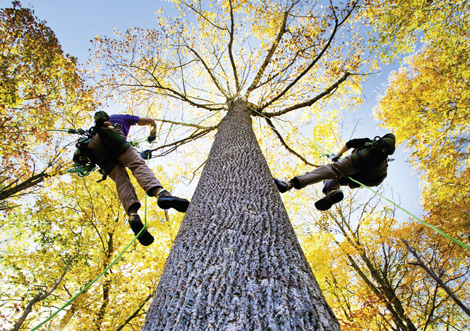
{"x": 327, "y": 202}
{"x": 178, "y": 204}
{"x": 145, "y": 238}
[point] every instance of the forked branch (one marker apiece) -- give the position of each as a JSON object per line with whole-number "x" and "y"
{"x": 337, "y": 25}
{"x": 272, "y": 50}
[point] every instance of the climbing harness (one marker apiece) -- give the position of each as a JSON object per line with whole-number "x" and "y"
{"x": 415, "y": 217}
{"x": 85, "y": 161}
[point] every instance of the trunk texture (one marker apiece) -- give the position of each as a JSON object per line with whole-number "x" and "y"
{"x": 236, "y": 263}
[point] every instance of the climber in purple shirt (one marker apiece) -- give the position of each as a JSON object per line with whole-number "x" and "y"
{"x": 110, "y": 140}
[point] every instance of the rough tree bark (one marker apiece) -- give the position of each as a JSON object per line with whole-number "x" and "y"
{"x": 236, "y": 263}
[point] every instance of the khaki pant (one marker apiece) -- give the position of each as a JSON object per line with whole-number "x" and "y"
{"x": 367, "y": 172}
{"x": 132, "y": 160}
{"x": 342, "y": 168}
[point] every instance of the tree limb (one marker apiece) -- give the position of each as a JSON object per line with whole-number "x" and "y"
{"x": 314, "y": 61}
{"x": 200, "y": 127}
{"x": 270, "y": 54}
{"x": 209, "y": 71}
{"x": 31, "y": 181}
{"x": 230, "y": 49}
{"x": 437, "y": 279}
{"x": 136, "y": 312}
{"x": 174, "y": 145}
{"x": 39, "y": 297}
{"x": 310, "y": 102}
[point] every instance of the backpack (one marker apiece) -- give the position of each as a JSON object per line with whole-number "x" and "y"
{"x": 378, "y": 149}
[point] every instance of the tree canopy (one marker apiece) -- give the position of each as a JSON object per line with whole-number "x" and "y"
{"x": 40, "y": 89}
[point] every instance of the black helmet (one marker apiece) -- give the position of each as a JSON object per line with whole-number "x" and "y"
{"x": 100, "y": 118}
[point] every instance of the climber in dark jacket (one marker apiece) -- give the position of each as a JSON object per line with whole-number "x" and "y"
{"x": 367, "y": 164}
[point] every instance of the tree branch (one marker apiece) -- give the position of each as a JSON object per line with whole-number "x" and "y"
{"x": 270, "y": 54}
{"x": 311, "y": 101}
{"x": 315, "y": 60}
{"x": 209, "y": 71}
{"x": 136, "y": 312}
{"x": 31, "y": 181}
{"x": 39, "y": 297}
{"x": 230, "y": 45}
{"x": 437, "y": 279}
{"x": 171, "y": 92}
{"x": 270, "y": 123}
{"x": 187, "y": 124}
{"x": 174, "y": 145}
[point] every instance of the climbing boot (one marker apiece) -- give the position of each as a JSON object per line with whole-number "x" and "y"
{"x": 326, "y": 202}
{"x": 166, "y": 201}
{"x": 283, "y": 185}
{"x": 136, "y": 225}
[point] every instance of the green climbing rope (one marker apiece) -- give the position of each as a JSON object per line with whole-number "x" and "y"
{"x": 101, "y": 274}
{"x": 135, "y": 142}
{"x": 420, "y": 220}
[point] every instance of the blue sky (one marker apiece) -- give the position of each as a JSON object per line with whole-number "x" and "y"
{"x": 75, "y": 23}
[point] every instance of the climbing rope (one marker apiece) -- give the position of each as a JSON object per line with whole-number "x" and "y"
{"x": 421, "y": 221}
{"x": 415, "y": 217}
{"x": 145, "y": 227}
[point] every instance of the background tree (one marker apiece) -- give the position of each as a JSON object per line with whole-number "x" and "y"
{"x": 369, "y": 276}
{"x": 427, "y": 105}
{"x": 236, "y": 262}
{"x": 40, "y": 89}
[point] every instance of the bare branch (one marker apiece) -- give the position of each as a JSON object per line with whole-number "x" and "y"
{"x": 270, "y": 123}
{"x": 174, "y": 145}
{"x": 136, "y": 312}
{"x": 230, "y": 48}
{"x": 200, "y": 127}
{"x": 310, "y": 102}
{"x": 209, "y": 71}
{"x": 197, "y": 169}
{"x": 171, "y": 92}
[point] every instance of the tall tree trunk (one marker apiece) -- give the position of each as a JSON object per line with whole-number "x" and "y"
{"x": 236, "y": 263}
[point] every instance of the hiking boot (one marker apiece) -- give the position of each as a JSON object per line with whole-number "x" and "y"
{"x": 283, "y": 185}
{"x": 136, "y": 224}
{"x": 326, "y": 202}
{"x": 166, "y": 201}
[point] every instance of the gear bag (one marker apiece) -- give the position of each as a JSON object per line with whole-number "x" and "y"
{"x": 86, "y": 159}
